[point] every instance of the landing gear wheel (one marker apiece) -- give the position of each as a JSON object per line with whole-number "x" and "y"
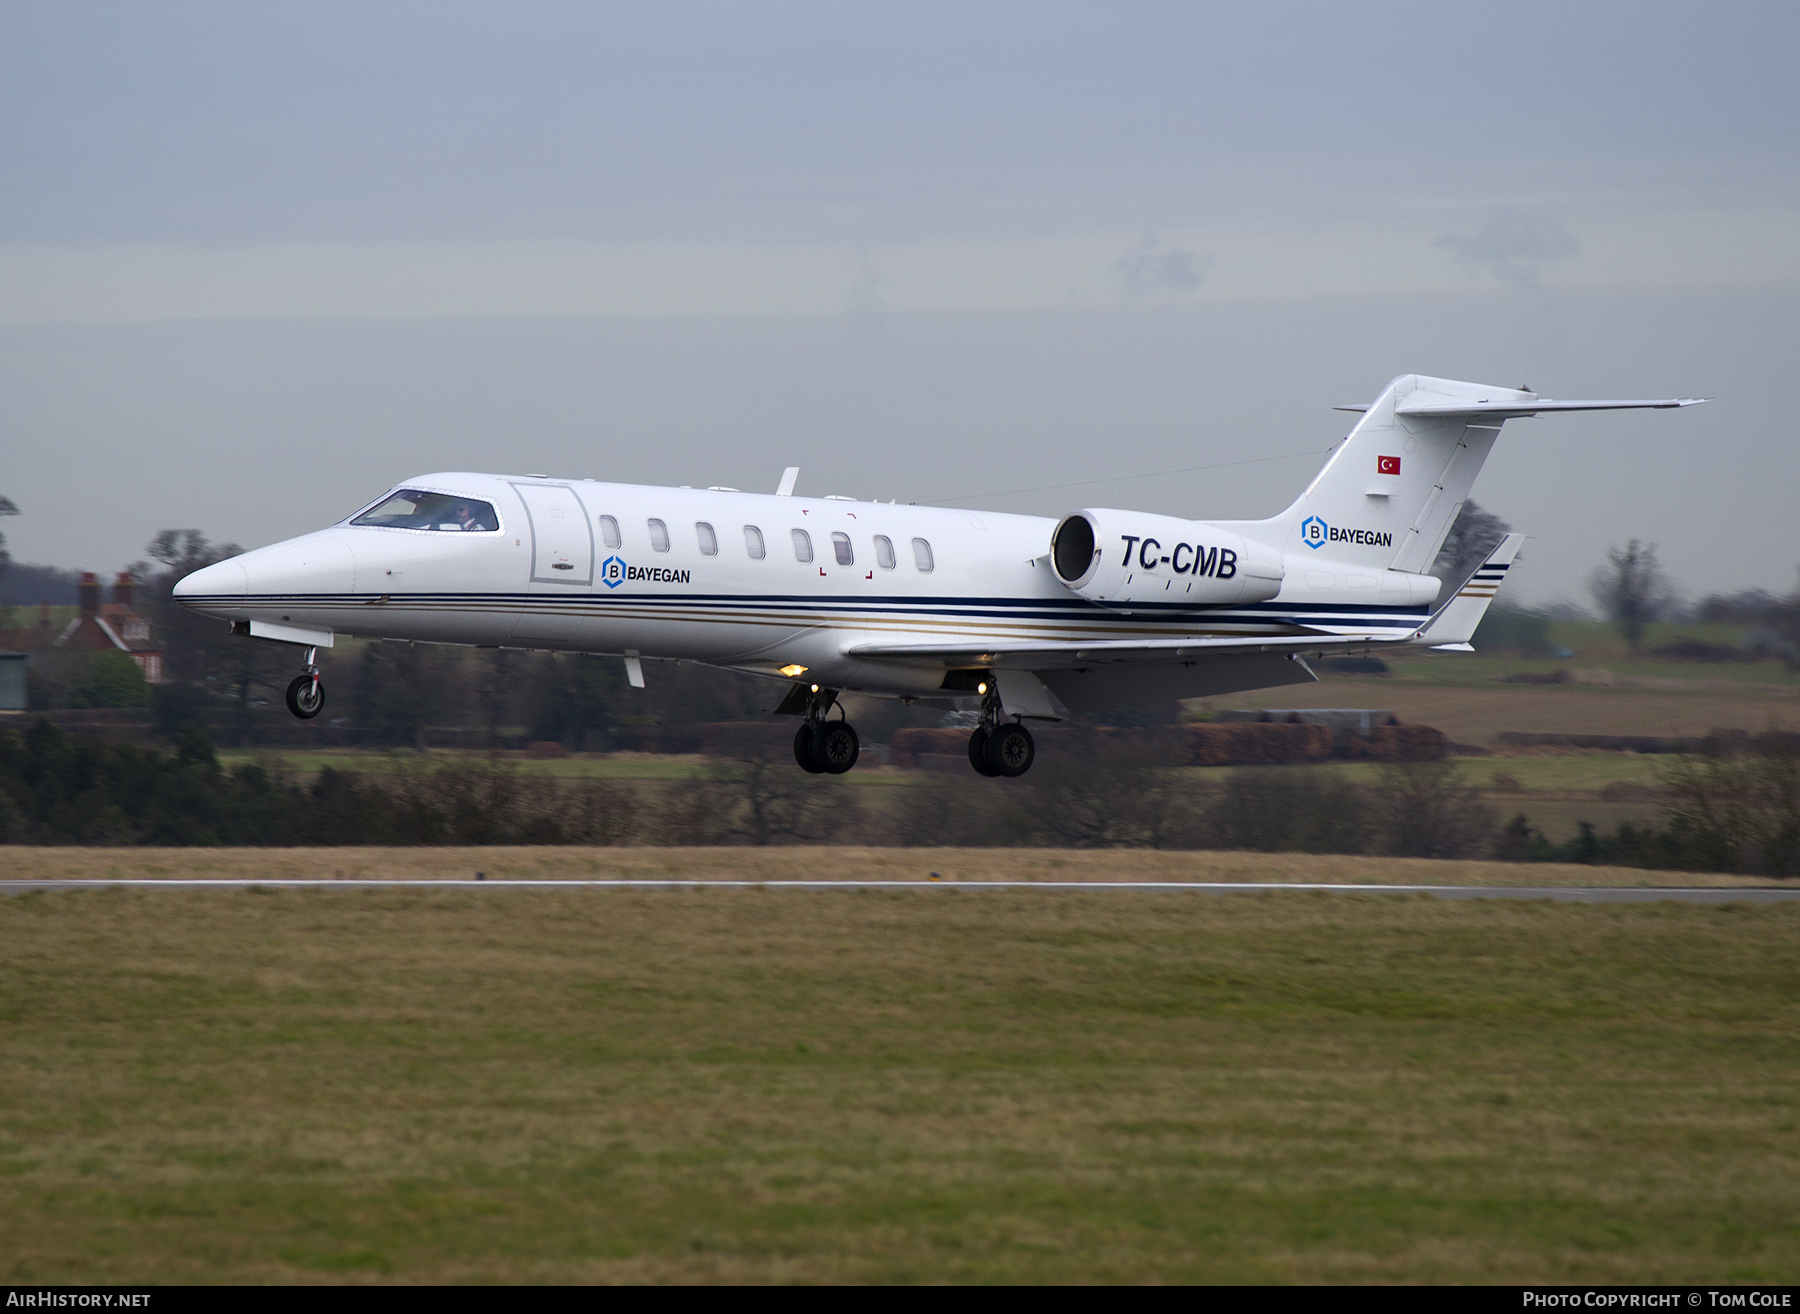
{"x": 306, "y": 697}
{"x": 835, "y": 747}
{"x": 1010, "y": 749}
{"x": 803, "y": 750}
{"x": 978, "y": 756}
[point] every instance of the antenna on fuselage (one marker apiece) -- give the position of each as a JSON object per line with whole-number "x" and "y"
{"x": 788, "y": 478}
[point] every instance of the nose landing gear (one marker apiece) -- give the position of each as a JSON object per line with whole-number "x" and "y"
{"x": 305, "y": 695}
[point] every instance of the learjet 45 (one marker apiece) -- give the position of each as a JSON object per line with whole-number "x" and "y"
{"x": 1032, "y": 618}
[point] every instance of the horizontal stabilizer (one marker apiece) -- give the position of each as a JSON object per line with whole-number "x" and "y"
{"x": 1421, "y": 403}
{"x": 1519, "y": 405}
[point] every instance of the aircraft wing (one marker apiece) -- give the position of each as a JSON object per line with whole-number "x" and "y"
{"x": 1045, "y": 655}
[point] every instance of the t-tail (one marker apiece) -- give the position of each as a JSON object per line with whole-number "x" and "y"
{"x": 1387, "y": 497}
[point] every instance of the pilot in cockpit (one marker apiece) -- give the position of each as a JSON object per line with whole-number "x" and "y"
{"x": 414, "y": 508}
{"x": 468, "y": 516}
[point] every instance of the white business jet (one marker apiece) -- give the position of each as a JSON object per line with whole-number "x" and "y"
{"x": 1034, "y": 617}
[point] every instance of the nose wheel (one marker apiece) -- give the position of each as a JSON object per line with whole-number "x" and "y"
{"x": 305, "y": 694}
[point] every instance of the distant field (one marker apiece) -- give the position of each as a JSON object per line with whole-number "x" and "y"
{"x": 436, "y": 1086}
{"x": 1592, "y": 645}
{"x": 1474, "y": 715}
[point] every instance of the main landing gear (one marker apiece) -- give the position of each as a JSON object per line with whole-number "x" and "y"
{"x": 825, "y": 747}
{"x": 999, "y": 748}
{"x": 305, "y": 695}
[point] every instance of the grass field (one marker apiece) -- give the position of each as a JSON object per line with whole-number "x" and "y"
{"x": 753, "y": 1085}
{"x": 818, "y": 862}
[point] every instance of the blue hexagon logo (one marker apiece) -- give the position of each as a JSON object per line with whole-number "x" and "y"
{"x": 612, "y": 572}
{"x": 1314, "y": 532}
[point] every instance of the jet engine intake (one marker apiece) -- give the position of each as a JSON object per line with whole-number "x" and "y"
{"x": 1125, "y": 557}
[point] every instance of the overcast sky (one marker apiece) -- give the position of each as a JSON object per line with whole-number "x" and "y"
{"x": 258, "y": 263}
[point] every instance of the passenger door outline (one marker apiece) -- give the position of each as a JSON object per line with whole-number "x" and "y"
{"x": 568, "y": 539}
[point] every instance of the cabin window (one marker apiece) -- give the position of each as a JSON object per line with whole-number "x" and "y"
{"x": 414, "y": 508}
{"x": 884, "y": 551}
{"x": 753, "y": 543}
{"x": 922, "y": 554}
{"x": 840, "y": 547}
{"x": 609, "y": 532}
{"x": 659, "y": 536}
{"x": 709, "y": 541}
{"x": 802, "y": 545}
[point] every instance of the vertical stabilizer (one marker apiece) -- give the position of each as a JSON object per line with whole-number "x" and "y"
{"x": 1386, "y": 498}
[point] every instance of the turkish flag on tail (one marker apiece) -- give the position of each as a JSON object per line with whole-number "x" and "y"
{"x": 1387, "y": 465}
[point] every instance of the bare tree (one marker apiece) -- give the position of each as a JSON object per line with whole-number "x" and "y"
{"x": 1473, "y": 534}
{"x": 1738, "y": 808}
{"x": 1632, "y": 589}
{"x": 1277, "y": 809}
{"x": 200, "y": 651}
{"x": 7, "y": 508}
{"x": 1427, "y": 810}
{"x": 186, "y": 550}
{"x": 760, "y": 798}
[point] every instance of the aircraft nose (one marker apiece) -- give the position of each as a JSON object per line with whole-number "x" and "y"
{"x": 224, "y": 584}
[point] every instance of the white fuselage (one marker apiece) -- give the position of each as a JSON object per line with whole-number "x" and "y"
{"x": 547, "y": 578}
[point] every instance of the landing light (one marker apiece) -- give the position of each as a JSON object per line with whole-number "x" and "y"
{"x": 791, "y": 670}
{"x": 981, "y": 688}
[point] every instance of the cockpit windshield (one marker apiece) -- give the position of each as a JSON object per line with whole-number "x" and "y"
{"x": 414, "y": 508}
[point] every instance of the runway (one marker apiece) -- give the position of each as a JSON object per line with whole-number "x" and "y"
{"x": 1562, "y": 894}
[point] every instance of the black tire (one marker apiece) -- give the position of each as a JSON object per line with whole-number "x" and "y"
{"x": 305, "y": 697}
{"x": 836, "y": 746}
{"x": 978, "y": 757}
{"x": 1010, "y": 750}
{"x": 803, "y": 750}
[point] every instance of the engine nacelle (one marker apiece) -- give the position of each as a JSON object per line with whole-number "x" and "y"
{"x": 1125, "y": 557}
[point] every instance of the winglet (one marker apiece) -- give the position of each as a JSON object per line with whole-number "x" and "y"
{"x": 1455, "y": 622}
{"x": 789, "y": 477}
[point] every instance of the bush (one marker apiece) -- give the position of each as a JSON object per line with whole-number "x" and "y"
{"x": 1738, "y": 808}
{"x": 1290, "y": 810}
{"x": 1427, "y": 810}
{"x": 109, "y": 679}
{"x": 67, "y": 789}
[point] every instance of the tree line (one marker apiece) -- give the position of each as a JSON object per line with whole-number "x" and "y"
{"x": 1736, "y": 810}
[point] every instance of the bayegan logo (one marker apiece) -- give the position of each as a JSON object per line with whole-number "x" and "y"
{"x": 614, "y": 572}
{"x": 1315, "y": 533}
